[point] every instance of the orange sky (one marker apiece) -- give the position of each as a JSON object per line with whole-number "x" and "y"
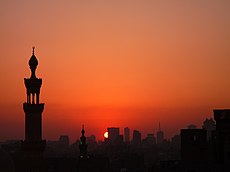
{"x": 115, "y": 63}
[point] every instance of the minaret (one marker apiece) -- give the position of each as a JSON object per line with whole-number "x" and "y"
{"x": 33, "y": 145}
{"x": 83, "y": 145}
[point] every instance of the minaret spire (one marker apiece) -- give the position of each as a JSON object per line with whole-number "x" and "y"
{"x": 33, "y": 85}
{"x": 33, "y": 50}
{"x": 33, "y": 146}
{"x": 33, "y": 63}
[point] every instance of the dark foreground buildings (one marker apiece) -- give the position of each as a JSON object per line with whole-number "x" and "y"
{"x": 212, "y": 153}
{"x": 27, "y": 155}
{"x": 32, "y": 154}
{"x": 193, "y": 150}
{"x": 222, "y": 136}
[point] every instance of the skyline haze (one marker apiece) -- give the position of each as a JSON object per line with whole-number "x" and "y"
{"x": 108, "y": 64}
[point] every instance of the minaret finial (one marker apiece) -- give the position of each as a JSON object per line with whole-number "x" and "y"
{"x": 33, "y": 50}
{"x": 83, "y": 131}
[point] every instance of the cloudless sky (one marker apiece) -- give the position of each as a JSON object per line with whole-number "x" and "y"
{"x": 118, "y": 63}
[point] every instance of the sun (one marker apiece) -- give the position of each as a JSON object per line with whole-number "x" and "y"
{"x": 106, "y": 135}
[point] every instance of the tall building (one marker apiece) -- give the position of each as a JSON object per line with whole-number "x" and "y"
{"x": 127, "y": 135}
{"x": 210, "y": 126}
{"x": 113, "y": 134}
{"x": 136, "y": 137}
{"x": 33, "y": 145}
{"x": 160, "y": 135}
{"x": 193, "y": 145}
{"x": 222, "y": 118}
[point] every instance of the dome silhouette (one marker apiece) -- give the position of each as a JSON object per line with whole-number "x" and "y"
{"x": 33, "y": 62}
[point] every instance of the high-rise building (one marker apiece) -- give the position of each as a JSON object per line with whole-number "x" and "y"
{"x": 113, "y": 134}
{"x": 193, "y": 146}
{"x": 127, "y": 135}
{"x": 136, "y": 137}
{"x": 160, "y": 135}
{"x": 210, "y": 126}
{"x": 222, "y": 118}
{"x": 33, "y": 145}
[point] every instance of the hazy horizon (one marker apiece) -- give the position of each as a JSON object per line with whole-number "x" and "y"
{"x": 124, "y": 63}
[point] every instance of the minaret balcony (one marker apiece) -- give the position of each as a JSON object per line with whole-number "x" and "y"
{"x": 33, "y": 84}
{"x": 33, "y": 108}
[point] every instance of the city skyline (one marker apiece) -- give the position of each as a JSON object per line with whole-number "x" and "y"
{"x": 113, "y": 64}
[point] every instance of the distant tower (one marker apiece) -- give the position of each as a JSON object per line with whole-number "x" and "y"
{"x": 113, "y": 134}
{"x": 33, "y": 145}
{"x": 160, "y": 135}
{"x": 127, "y": 135}
{"x": 210, "y": 126}
{"x": 136, "y": 137}
{"x": 83, "y": 145}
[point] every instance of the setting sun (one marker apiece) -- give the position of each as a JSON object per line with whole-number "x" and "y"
{"x": 106, "y": 135}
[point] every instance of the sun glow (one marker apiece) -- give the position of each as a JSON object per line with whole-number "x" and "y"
{"x": 106, "y": 135}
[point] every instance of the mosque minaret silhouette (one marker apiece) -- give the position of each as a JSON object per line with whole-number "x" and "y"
{"x": 33, "y": 146}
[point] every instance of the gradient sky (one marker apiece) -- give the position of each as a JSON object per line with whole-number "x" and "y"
{"x": 118, "y": 63}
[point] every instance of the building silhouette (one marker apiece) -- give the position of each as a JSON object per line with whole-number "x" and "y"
{"x": 113, "y": 134}
{"x": 151, "y": 140}
{"x": 222, "y": 118}
{"x": 64, "y": 140}
{"x": 126, "y": 135}
{"x": 6, "y": 161}
{"x": 33, "y": 146}
{"x": 160, "y": 135}
{"x": 91, "y": 139}
{"x": 206, "y": 149}
{"x": 191, "y": 126}
{"x": 210, "y": 126}
{"x": 193, "y": 145}
{"x": 136, "y": 137}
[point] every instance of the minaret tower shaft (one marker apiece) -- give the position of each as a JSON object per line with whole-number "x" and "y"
{"x": 33, "y": 111}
